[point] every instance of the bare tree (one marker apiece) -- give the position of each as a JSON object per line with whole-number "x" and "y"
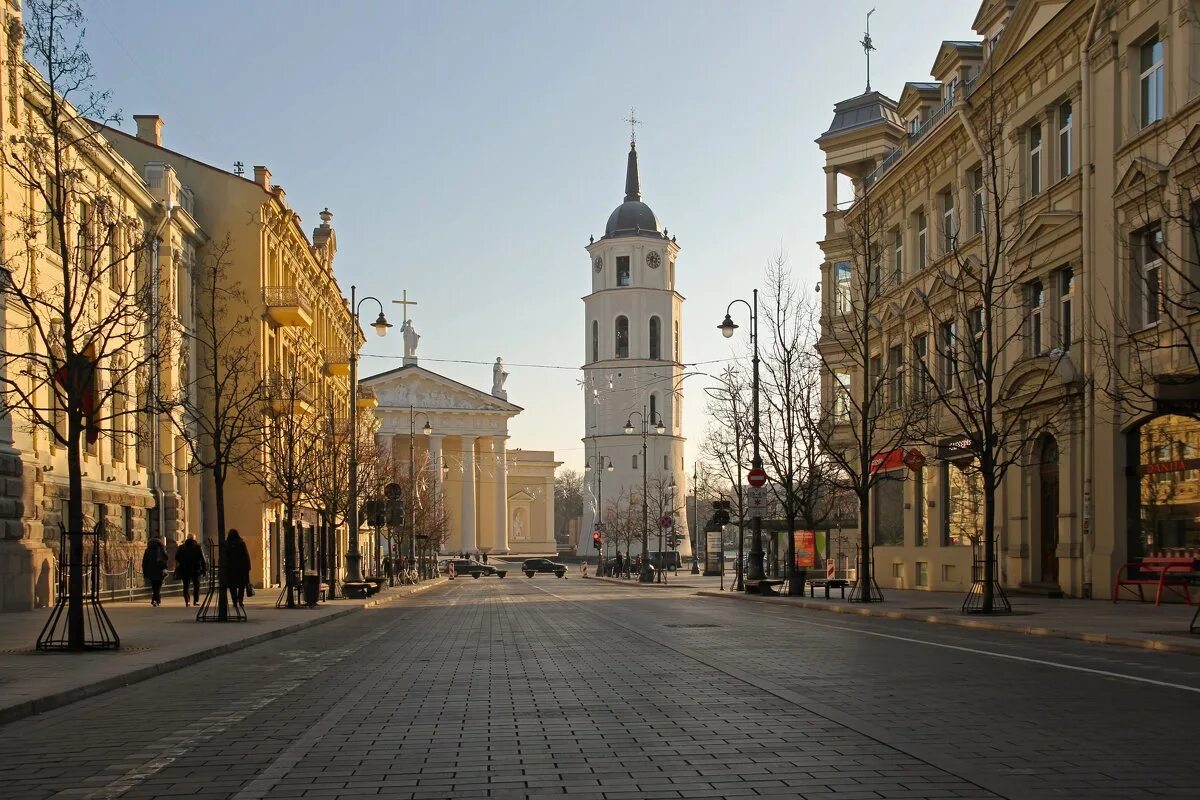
{"x": 568, "y": 501}
{"x": 219, "y": 408}
{"x": 331, "y": 484}
{"x": 728, "y": 444}
{"x": 82, "y": 318}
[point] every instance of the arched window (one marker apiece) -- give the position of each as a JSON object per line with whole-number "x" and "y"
{"x": 677, "y": 353}
{"x": 622, "y": 338}
{"x": 655, "y": 338}
{"x": 595, "y": 340}
{"x": 653, "y": 408}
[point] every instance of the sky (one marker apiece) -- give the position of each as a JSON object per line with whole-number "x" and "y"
{"x": 468, "y": 150}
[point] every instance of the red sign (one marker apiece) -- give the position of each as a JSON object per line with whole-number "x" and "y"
{"x": 757, "y": 477}
{"x": 667, "y": 521}
{"x": 914, "y": 460}
{"x": 892, "y": 459}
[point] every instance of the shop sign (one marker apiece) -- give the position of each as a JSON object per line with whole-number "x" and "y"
{"x": 892, "y": 459}
{"x": 955, "y": 448}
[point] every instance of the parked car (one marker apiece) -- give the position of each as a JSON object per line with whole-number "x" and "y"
{"x": 469, "y": 566}
{"x": 532, "y": 566}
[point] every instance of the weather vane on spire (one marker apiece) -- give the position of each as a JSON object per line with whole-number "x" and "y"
{"x": 867, "y": 47}
{"x": 633, "y": 123}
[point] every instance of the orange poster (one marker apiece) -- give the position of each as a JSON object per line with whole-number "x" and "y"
{"x": 806, "y": 549}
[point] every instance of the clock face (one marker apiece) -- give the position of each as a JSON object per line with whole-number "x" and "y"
{"x": 598, "y": 264}
{"x": 653, "y": 260}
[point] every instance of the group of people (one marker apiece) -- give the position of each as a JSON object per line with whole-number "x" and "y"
{"x": 190, "y": 566}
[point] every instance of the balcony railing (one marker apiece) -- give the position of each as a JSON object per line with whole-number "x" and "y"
{"x": 893, "y": 158}
{"x": 933, "y": 120}
{"x": 366, "y": 397}
{"x": 287, "y": 306}
{"x": 289, "y": 395}
{"x": 337, "y": 361}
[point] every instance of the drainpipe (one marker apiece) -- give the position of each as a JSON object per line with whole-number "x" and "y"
{"x": 155, "y": 473}
{"x": 1085, "y": 224}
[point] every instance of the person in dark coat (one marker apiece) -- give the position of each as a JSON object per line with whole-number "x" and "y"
{"x": 189, "y": 566}
{"x": 237, "y": 567}
{"x": 154, "y": 568}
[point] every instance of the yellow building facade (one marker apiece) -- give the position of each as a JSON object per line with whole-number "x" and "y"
{"x": 1090, "y": 111}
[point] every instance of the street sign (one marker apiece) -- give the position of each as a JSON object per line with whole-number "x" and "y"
{"x": 757, "y": 498}
{"x": 392, "y": 491}
{"x": 667, "y": 521}
{"x": 756, "y": 477}
{"x": 830, "y": 568}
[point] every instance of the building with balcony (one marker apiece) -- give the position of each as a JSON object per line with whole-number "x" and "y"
{"x": 1055, "y": 150}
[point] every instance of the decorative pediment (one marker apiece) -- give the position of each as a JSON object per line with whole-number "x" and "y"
{"x": 521, "y": 496}
{"x": 1143, "y": 175}
{"x": 1044, "y": 226}
{"x": 1027, "y": 19}
{"x": 1187, "y": 157}
{"x": 416, "y": 386}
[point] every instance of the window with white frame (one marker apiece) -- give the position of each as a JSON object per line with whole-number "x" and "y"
{"x": 841, "y": 396}
{"x": 1035, "y": 160}
{"x": 841, "y": 289}
{"x": 977, "y": 200}
{"x": 1150, "y": 81}
{"x": 1065, "y": 136}
{"x": 949, "y": 230}
{"x": 1148, "y": 260}
{"x": 898, "y": 256}
{"x": 920, "y": 381}
{"x": 1066, "y": 301}
{"x": 977, "y": 354}
{"x": 875, "y": 378}
{"x": 947, "y": 345}
{"x": 1037, "y": 306}
{"x": 922, "y": 240}
{"x": 896, "y": 378}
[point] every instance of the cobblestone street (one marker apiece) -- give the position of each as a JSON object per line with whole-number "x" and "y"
{"x": 544, "y": 687}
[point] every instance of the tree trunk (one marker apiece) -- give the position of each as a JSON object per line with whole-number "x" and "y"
{"x": 289, "y": 556}
{"x": 76, "y": 635}
{"x": 989, "y": 543}
{"x": 795, "y": 589}
{"x": 222, "y": 583}
{"x": 866, "y": 592}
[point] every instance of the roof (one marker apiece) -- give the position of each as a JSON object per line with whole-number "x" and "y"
{"x": 632, "y": 217}
{"x": 871, "y": 108}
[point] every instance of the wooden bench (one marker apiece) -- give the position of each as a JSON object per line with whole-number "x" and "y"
{"x": 827, "y": 583}
{"x": 324, "y": 589}
{"x": 1173, "y": 574}
{"x": 763, "y": 586}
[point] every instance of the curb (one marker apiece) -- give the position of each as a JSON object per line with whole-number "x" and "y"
{"x": 639, "y": 585}
{"x": 1187, "y": 648}
{"x": 39, "y": 705}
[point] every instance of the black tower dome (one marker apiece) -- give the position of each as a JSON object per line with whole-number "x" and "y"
{"x": 633, "y": 217}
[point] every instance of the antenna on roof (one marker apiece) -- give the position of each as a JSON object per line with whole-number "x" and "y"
{"x": 239, "y": 168}
{"x": 868, "y": 47}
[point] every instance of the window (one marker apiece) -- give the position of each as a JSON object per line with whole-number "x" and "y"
{"x": 1066, "y": 296}
{"x": 635, "y": 467}
{"x": 87, "y": 244}
{"x": 655, "y": 338}
{"x": 622, "y": 337}
{"x": 841, "y": 396}
{"x": 842, "y": 286}
{"x": 876, "y": 262}
{"x": 678, "y": 352}
{"x": 949, "y": 232}
{"x": 1064, "y": 140}
{"x": 1150, "y": 84}
{"x": 128, "y": 523}
{"x": 889, "y": 509}
{"x": 595, "y": 340}
{"x": 947, "y": 342}
{"x": 920, "y": 346}
{"x": 874, "y": 393}
{"x": 922, "y": 573}
{"x": 977, "y": 200}
{"x": 1035, "y": 160}
{"x": 922, "y": 239}
{"x": 922, "y": 501}
{"x": 898, "y": 256}
{"x": 976, "y": 319}
{"x": 665, "y": 467}
{"x": 1148, "y": 249}
{"x": 962, "y": 513}
{"x": 653, "y": 408}
{"x": 1037, "y": 302}
{"x": 896, "y": 379}
{"x": 622, "y": 270}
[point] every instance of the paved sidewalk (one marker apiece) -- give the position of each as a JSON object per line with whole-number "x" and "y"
{"x": 1127, "y": 623}
{"x": 153, "y": 641}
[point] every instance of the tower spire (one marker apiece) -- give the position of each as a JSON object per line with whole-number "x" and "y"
{"x": 867, "y": 47}
{"x": 633, "y": 189}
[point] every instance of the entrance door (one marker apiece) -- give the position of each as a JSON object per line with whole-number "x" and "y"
{"x": 1048, "y": 517}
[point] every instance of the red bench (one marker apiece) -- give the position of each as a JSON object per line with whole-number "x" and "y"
{"x": 1173, "y": 574}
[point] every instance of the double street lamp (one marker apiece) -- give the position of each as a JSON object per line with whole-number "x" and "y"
{"x": 602, "y": 463}
{"x": 646, "y": 421}
{"x": 381, "y": 325}
{"x": 727, "y": 327}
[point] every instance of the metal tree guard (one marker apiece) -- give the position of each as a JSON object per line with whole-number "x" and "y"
{"x": 99, "y": 633}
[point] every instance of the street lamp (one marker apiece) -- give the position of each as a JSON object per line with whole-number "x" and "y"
{"x": 412, "y": 485}
{"x": 662, "y": 564}
{"x": 696, "y": 517}
{"x": 602, "y": 463}
{"x": 727, "y": 328}
{"x": 381, "y": 325}
{"x": 659, "y": 428}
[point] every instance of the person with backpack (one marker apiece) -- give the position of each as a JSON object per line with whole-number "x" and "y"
{"x": 236, "y": 563}
{"x": 154, "y": 568}
{"x": 189, "y": 566}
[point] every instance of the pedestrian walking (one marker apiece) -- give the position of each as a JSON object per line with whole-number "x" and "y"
{"x": 619, "y": 564}
{"x": 485, "y": 557}
{"x": 388, "y": 571}
{"x": 237, "y": 568}
{"x": 154, "y": 568}
{"x": 189, "y": 566}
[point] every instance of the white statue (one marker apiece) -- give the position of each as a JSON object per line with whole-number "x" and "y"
{"x": 411, "y": 337}
{"x": 499, "y": 376}
{"x": 518, "y": 526}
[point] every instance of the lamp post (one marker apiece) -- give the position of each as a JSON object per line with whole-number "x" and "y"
{"x": 381, "y": 325}
{"x": 659, "y": 428}
{"x": 602, "y": 463}
{"x": 662, "y": 565}
{"x": 696, "y": 517}
{"x": 727, "y": 328}
{"x": 412, "y": 482}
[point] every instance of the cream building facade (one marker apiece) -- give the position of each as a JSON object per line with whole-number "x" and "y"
{"x": 1097, "y": 107}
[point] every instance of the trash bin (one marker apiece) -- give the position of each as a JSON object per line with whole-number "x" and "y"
{"x": 312, "y": 589}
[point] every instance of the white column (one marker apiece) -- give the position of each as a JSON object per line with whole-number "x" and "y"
{"x": 435, "y": 461}
{"x": 468, "y": 495}
{"x": 550, "y": 512}
{"x": 501, "y": 541}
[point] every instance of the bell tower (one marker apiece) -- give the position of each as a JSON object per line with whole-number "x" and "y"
{"x": 633, "y": 320}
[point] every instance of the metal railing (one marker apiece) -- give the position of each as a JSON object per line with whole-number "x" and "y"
{"x": 289, "y": 296}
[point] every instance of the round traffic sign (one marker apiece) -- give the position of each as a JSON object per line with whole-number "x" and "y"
{"x": 667, "y": 521}
{"x": 392, "y": 491}
{"x": 757, "y": 477}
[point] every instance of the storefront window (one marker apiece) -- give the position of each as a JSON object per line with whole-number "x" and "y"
{"x": 923, "y": 475}
{"x": 1169, "y": 483}
{"x": 889, "y": 509}
{"x": 964, "y": 504}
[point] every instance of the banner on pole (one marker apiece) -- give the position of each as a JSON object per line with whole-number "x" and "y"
{"x": 714, "y": 553}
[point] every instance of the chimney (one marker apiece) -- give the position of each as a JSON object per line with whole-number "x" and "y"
{"x": 262, "y": 176}
{"x": 149, "y": 128}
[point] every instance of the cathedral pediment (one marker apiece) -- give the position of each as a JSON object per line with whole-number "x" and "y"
{"x": 416, "y": 386}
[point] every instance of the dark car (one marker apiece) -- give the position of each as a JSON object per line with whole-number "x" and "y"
{"x": 468, "y": 566}
{"x": 533, "y": 566}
